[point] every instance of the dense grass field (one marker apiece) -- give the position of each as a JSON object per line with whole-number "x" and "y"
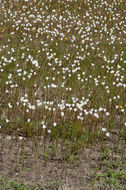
{"x": 63, "y": 75}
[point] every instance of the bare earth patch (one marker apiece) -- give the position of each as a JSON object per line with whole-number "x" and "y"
{"x": 28, "y": 165}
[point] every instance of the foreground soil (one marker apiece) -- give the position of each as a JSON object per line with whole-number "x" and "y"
{"x": 24, "y": 162}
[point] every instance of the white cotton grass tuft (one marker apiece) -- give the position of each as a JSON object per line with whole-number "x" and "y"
{"x": 107, "y": 134}
{"x": 20, "y": 138}
{"x": 54, "y": 124}
{"x": 104, "y": 129}
{"x": 62, "y": 114}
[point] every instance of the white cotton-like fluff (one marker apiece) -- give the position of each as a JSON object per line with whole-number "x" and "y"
{"x": 35, "y": 62}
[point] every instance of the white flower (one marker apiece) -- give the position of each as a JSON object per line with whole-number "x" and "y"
{"x": 122, "y": 110}
{"x": 17, "y": 103}
{"x": 55, "y": 124}
{"x": 49, "y": 131}
{"x": 107, "y": 113}
{"x": 103, "y": 129}
{"x": 7, "y": 91}
{"x": 96, "y": 115}
{"x": 20, "y": 138}
{"x": 53, "y": 85}
{"x": 62, "y": 114}
{"x": 7, "y": 120}
{"x": 35, "y": 62}
{"x": 100, "y": 109}
{"x": 9, "y": 105}
{"x": 44, "y": 126}
{"x": 107, "y": 134}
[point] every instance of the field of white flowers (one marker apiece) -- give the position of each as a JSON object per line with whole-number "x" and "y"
{"x": 63, "y": 73}
{"x": 63, "y": 68}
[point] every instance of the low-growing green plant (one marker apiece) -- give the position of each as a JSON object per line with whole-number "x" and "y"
{"x": 12, "y": 185}
{"x": 112, "y": 179}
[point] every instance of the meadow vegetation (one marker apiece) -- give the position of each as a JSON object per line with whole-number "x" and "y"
{"x": 63, "y": 76}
